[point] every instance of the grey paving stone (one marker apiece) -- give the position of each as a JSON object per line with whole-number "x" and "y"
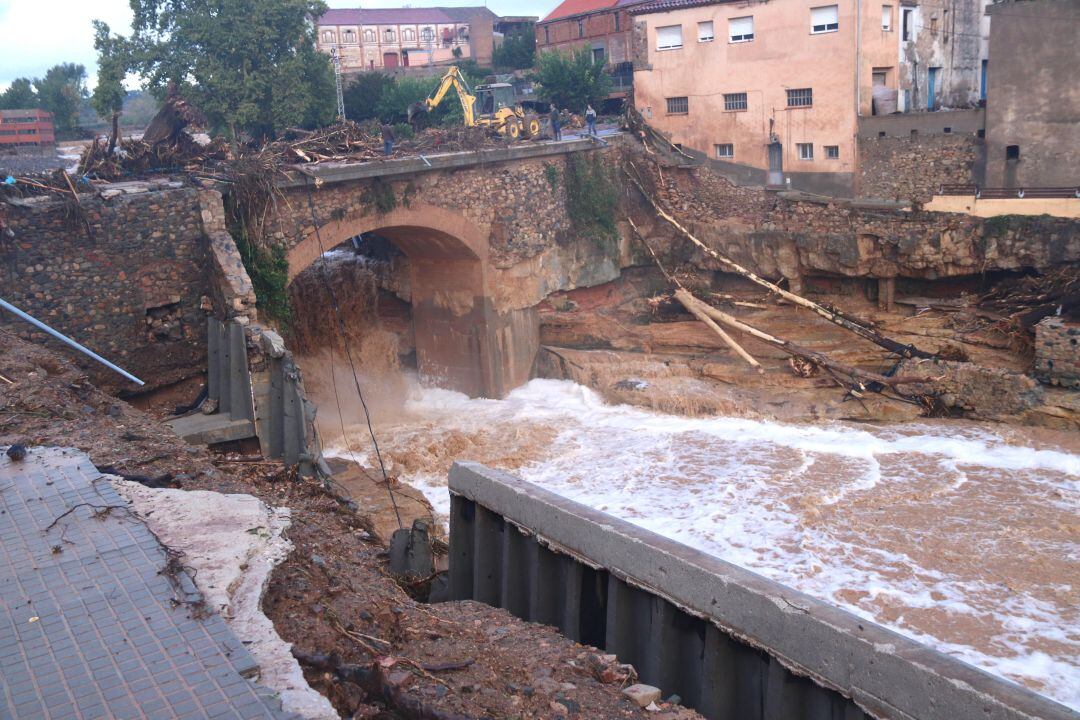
{"x": 88, "y": 624}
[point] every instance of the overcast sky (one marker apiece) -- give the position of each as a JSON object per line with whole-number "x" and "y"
{"x": 37, "y": 34}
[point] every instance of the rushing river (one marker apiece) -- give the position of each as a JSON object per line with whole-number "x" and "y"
{"x": 963, "y": 536}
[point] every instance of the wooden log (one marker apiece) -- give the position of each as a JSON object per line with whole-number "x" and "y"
{"x": 692, "y": 305}
{"x": 798, "y": 351}
{"x": 905, "y": 351}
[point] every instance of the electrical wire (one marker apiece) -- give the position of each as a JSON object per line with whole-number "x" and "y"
{"x": 352, "y": 367}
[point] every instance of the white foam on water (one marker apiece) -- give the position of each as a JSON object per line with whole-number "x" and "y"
{"x": 733, "y": 487}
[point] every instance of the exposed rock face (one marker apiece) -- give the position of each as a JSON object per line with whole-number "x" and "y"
{"x": 980, "y": 392}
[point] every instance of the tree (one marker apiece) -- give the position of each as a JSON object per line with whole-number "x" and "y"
{"x": 61, "y": 92}
{"x": 20, "y": 95}
{"x": 400, "y": 93}
{"x": 518, "y": 49}
{"x": 572, "y": 80}
{"x": 109, "y": 94}
{"x": 249, "y": 65}
{"x": 362, "y": 95}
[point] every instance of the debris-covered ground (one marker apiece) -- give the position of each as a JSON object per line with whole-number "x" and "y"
{"x": 373, "y": 650}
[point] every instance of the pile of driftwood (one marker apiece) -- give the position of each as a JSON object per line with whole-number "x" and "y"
{"x": 357, "y": 142}
{"x": 1027, "y": 300}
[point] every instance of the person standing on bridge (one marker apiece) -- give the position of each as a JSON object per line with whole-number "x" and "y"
{"x": 388, "y": 139}
{"x": 556, "y": 125}
{"x": 590, "y": 119}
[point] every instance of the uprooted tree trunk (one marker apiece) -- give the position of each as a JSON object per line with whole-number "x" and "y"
{"x": 175, "y": 115}
{"x": 904, "y": 351}
{"x": 862, "y": 376}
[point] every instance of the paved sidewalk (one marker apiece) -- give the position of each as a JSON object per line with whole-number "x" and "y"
{"x": 90, "y": 624}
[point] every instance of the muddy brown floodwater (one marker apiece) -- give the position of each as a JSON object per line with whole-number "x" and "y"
{"x": 962, "y": 535}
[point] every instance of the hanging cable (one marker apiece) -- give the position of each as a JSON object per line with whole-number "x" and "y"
{"x": 352, "y": 368}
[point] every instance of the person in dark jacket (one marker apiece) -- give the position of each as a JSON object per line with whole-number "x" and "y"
{"x": 556, "y": 123}
{"x": 388, "y": 138}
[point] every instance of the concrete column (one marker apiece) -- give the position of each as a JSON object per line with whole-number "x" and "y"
{"x": 887, "y": 293}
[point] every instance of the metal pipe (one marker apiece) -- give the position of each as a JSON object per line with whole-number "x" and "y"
{"x": 65, "y": 339}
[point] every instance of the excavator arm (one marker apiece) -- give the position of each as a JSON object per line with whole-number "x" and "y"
{"x": 452, "y": 79}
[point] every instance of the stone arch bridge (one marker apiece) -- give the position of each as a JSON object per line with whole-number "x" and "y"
{"x": 486, "y": 235}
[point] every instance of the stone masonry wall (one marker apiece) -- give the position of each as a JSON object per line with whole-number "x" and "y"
{"x": 518, "y": 208}
{"x": 792, "y": 235}
{"x": 131, "y": 291}
{"x": 1057, "y": 352}
{"x": 913, "y": 168}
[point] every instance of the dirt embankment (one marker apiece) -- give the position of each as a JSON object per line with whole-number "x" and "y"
{"x": 373, "y": 650}
{"x": 631, "y": 343}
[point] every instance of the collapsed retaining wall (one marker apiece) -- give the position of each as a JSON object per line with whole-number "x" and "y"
{"x": 130, "y": 272}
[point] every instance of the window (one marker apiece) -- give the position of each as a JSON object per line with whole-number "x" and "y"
{"x": 802, "y": 97}
{"x": 886, "y": 18}
{"x": 328, "y": 36}
{"x": 547, "y": 35}
{"x": 389, "y": 35}
{"x": 947, "y": 131}
{"x": 824, "y": 19}
{"x": 678, "y": 106}
{"x": 741, "y": 29}
{"x": 369, "y": 35}
{"x": 618, "y": 22}
{"x": 598, "y": 56}
{"x": 581, "y": 28}
{"x": 350, "y": 36}
{"x": 725, "y": 151}
{"x": 832, "y": 152}
{"x": 906, "y": 22}
{"x": 806, "y": 150}
{"x": 705, "y": 31}
{"x": 734, "y": 101}
{"x": 408, "y": 35}
{"x": 1012, "y": 152}
{"x": 669, "y": 37}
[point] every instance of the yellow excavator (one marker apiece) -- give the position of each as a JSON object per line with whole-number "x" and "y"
{"x": 492, "y": 106}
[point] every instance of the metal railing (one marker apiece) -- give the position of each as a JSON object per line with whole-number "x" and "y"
{"x": 983, "y": 193}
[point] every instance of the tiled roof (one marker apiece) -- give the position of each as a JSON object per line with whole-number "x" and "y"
{"x": 465, "y": 14}
{"x": 665, "y": 5}
{"x": 577, "y": 7}
{"x": 386, "y": 16}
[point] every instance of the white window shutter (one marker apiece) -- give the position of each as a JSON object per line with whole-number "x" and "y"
{"x": 669, "y": 37}
{"x": 705, "y": 31}
{"x": 741, "y": 29}
{"x": 824, "y": 18}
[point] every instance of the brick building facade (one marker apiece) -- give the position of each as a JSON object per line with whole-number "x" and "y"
{"x": 26, "y": 127}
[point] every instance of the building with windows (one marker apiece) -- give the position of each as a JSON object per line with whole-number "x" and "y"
{"x": 26, "y": 128}
{"x": 772, "y": 90}
{"x": 603, "y": 26}
{"x": 943, "y": 53}
{"x": 1033, "y": 102}
{"x": 388, "y": 38}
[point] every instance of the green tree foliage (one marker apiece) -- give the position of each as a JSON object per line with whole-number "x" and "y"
{"x": 20, "y": 95}
{"x": 249, "y": 65}
{"x": 61, "y": 92}
{"x": 140, "y": 107}
{"x": 572, "y": 80}
{"x": 109, "y": 94}
{"x": 591, "y": 196}
{"x": 518, "y": 50}
{"x": 362, "y": 95}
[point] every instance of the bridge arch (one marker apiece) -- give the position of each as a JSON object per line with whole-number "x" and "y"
{"x": 462, "y": 342}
